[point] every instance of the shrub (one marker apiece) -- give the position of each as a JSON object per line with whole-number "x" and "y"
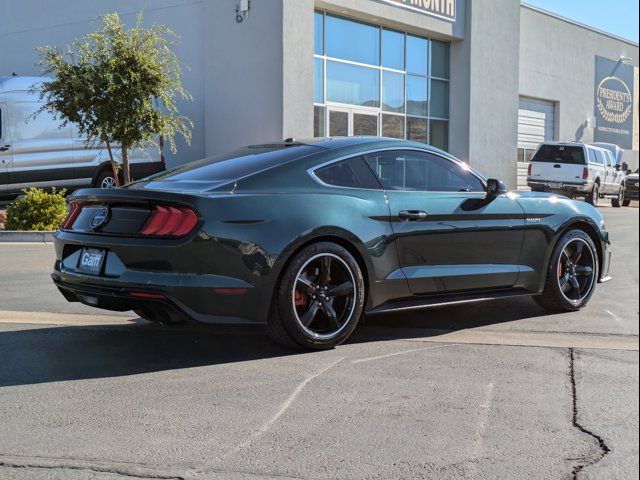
{"x": 37, "y": 210}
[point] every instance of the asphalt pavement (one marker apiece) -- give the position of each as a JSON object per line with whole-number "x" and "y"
{"x": 499, "y": 389}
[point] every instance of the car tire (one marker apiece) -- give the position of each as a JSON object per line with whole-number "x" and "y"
{"x": 105, "y": 179}
{"x": 594, "y": 196}
{"x": 572, "y": 256}
{"x": 626, "y": 202}
{"x": 618, "y": 201}
{"x": 319, "y": 298}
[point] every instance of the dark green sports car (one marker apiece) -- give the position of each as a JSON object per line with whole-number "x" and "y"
{"x": 307, "y": 236}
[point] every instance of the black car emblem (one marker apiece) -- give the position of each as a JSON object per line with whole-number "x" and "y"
{"x": 100, "y": 218}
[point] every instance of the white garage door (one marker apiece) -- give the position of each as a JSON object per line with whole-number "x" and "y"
{"x": 535, "y": 125}
{"x": 535, "y": 122}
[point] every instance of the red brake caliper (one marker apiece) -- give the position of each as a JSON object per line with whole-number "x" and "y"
{"x": 560, "y": 268}
{"x": 300, "y": 298}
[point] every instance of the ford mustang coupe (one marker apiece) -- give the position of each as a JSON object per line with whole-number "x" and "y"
{"x": 308, "y": 236}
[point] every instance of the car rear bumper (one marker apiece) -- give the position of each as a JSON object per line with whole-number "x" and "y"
{"x": 141, "y": 274}
{"x": 561, "y": 188}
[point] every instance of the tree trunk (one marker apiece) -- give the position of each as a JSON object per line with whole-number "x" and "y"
{"x": 114, "y": 167}
{"x": 125, "y": 165}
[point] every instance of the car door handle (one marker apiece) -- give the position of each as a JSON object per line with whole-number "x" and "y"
{"x": 5, "y": 148}
{"x": 412, "y": 215}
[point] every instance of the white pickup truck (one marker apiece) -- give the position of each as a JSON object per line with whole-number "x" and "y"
{"x": 577, "y": 170}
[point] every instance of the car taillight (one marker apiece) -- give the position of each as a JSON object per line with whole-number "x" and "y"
{"x": 74, "y": 211}
{"x": 585, "y": 173}
{"x": 169, "y": 221}
{"x": 529, "y": 170}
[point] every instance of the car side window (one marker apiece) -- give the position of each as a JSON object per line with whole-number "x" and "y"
{"x": 600, "y": 158}
{"x": 420, "y": 171}
{"x": 592, "y": 156}
{"x": 352, "y": 173}
{"x": 609, "y": 159}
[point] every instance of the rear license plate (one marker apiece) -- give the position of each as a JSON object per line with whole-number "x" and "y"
{"x": 91, "y": 260}
{"x": 555, "y": 185}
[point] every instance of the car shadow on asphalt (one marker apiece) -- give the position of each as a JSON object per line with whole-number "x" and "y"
{"x": 53, "y": 354}
{"x": 438, "y": 320}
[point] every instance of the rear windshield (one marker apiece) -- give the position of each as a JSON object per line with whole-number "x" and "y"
{"x": 242, "y": 162}
{"x": 560, "y": 154}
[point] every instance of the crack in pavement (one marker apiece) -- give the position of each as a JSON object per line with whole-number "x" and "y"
{"x": 92, "y": 468}
{"x": 603, "y": 448}
{"x": 133, "y": 470}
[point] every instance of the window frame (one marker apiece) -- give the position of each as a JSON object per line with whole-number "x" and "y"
{"x": 480, "y": 177}
{"x": 324, "y": 57}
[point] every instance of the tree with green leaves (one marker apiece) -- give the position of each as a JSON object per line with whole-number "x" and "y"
{"x": 119, "y": 86}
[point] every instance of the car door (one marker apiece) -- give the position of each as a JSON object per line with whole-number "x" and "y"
{"x": 610, "y": 172}
{"x": 5, "y": 148}
{"x": 450, "y": 237}
{"x": 41, "y": 148}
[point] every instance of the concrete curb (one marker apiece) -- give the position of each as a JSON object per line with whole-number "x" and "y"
{"x": 26, "y": 236}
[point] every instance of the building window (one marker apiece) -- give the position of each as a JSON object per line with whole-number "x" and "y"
{"x": 372, "y": 80}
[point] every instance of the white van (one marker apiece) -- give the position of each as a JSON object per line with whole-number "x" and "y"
{"x": 39, "y": 152}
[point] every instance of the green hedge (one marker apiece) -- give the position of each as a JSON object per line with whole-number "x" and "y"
{"x": 37, "y": 210}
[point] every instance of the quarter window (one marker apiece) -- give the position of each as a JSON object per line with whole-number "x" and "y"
{"x": 413, "y": 170}
{"x": 353, "y": 173}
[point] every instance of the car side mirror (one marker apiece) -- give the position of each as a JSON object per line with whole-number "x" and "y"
{"x": 625, "y": 166}
{"x": 496, "y": 187}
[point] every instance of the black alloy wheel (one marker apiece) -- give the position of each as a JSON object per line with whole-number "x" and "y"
{"x": 572, "y": 273}
{"x": 320, "y": 298}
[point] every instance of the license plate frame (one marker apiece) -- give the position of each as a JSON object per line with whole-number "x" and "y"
{"x": 555, "y": 184}
{"x": 91, "y": 260}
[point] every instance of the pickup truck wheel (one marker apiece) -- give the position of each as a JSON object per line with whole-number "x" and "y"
{"x": 594, "y": 196}
{"x": 619, "y": 200}
{"x": 626, "y": 202}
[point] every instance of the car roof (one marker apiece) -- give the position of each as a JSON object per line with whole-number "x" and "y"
{"x": 368, "y": 143}
{"x": 18, "y": 83}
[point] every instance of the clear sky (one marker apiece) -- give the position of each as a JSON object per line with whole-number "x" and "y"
{"x": 619, "y": 17}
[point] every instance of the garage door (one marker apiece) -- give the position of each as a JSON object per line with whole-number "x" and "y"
{"x": 535, "y": 122}
{"x": 535, "y": 125}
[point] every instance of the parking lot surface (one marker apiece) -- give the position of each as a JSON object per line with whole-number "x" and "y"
{"x": 499, "y": 389}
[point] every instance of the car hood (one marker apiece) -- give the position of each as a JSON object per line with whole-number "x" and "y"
{"x": 633, "y": 176}
{"x": 539, "y": 195}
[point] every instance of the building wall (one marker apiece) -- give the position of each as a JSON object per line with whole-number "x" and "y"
{"x": 557, "y": 63}
{"x": 25, "y": 25}
{"x": 243, "y": 75}
{"x": 484, "y": 97}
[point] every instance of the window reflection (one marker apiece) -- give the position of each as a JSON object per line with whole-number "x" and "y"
{"x": 401, "y": 81}
{"x": 318, "y": 33}
{"x": 417, "y": 95}
{"x": 352, "y": 84}
{"x": 392, "y": 49}
{"x": 439, "y": 99}
{"x": 318, "y": 80}
{"x": 349, "y": 40}
{"x": 392, "y": 92}
{"x": 417, "y": 55}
